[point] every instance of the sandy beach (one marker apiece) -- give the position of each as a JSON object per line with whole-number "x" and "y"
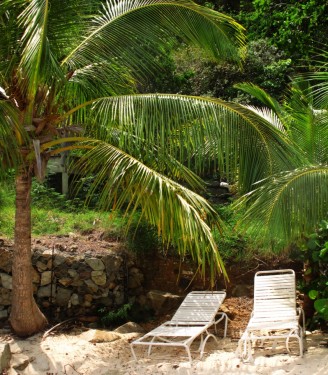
{"x": 78, "y": 353}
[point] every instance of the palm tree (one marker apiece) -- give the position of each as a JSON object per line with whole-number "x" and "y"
{"x": 68, "y": 72}
{"x": 289, "y": 204}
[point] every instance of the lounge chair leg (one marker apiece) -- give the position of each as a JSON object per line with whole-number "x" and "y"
{"x": 133, "y": 353}
{"x": 202, "y": 346}
{"x": 225, "y": 325}
{"x": 189, "y": 354}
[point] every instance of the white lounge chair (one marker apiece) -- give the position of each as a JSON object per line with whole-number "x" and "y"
{"x": 275, "y": 315}
{"x": 197, "y": 313}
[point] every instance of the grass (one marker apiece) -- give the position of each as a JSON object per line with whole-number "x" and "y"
{"x": 52, "y": 214}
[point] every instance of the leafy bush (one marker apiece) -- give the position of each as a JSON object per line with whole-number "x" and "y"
{"x": 265, "y": 65}
{"x": 129, "y": 312}
{"x": 315, "y": 284}
{"x": 293, "y": 25}
{"x": 142, "y": 237}
{"x": 46, "y": 197}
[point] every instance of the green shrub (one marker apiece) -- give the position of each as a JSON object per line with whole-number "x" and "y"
{"x": 129, "y": 312}
{"x": 315, "y": 283}
{"x": 142, "y": 237}
{"x": 46, "y": 197}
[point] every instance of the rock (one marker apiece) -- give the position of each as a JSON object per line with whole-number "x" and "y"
{"x": 112, "y": 286}
{"x": 98, "y": 277}
{"x": 72, "y": 273}
{"x": 48, "y": 254}
{"x": 50, "y": 264}
{"x": 84, "y": 275}
{"x": 88, "y": 297}
{"x": 75, "y": 299}
{"x": 91, "y": 285}
{"x": 112, "y": 263}
{"x": 46, "y": 278}
{"x": 241, "y": 290}
{"x": 35, "y": 276}
{"x": 59, "y": 259}
{"x": 61, "y": 271}
{"x": 46, "y": 291}
{"x": 5, "y": 296}
{"x": 97, "y": 335}
{"x": 21, "y": 362}
{"x": 41, "y": 266}
{"x": 5, "y": 260}
{"x": 135, "y": 279}
{"x": 95, "y": 263}
{"x": 65, "y": 281}
{"x": 6, "y": 281}
{"x": 63, "y": 296}
{"x": 3, "y": 314}
{"x": 77, "y": 282}
{"x": 5, "y": 356}
{"x": 163, "y": 302}
{"x": 130, "y": 327}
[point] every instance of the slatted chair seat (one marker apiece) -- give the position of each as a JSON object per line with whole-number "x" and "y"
{"x": 275, "y": 315}
{"x": 196, "y": 314}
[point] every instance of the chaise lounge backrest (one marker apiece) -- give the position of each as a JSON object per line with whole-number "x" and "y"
{"x": 199, "y": 307}
{"x": 275, "y": 294}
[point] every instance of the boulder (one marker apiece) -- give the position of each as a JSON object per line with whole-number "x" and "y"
{"x": 46, "y": 278}
{"x": 63, "y": 296}
{"x": 95, "y": 263}
{"x": 97, "y": 335}
{"x": 129, "y": 327}
{"x": 5, "y": 296}
{"x": 5, "y": 356}
{"x": 163, "y": 302}
{"x": 46, "y": 291}
{"x": 6, "y": 281}
{"x": 98, "y": 277}
{"x": 5, "y": 260}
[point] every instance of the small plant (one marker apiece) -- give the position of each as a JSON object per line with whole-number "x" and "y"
{"x": 315, "y": 283}
{"x": 128, "y": 312}
{"x": 141, "y": 237}
{"x": 116, "y": 317}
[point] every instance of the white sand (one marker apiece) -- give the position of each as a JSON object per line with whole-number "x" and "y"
{"x": 73, "y": 354}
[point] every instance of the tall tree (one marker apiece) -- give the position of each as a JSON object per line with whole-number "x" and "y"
{"x": 64, "y": 68}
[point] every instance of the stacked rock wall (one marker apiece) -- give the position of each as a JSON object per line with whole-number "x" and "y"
{"x": 69, "y": 283}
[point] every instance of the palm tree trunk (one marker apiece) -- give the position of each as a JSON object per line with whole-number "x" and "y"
{"x": 25, "y": 318}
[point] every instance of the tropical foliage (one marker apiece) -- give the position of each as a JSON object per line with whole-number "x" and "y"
{"x": 315, "y": 280}
{"x": 290, "y": 203}
{"x": 64, "y": 70}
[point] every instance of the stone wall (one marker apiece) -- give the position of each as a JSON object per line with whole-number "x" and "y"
{"x": 70, "y": 282}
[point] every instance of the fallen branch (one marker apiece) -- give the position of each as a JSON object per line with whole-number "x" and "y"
{"x": 56, "y": 326}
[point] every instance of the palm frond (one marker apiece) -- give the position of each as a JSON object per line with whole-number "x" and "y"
{"x": 286, "y": 206}
{"x": 36, "y": 54}
{"x": 97, "y": 80}
{"x": 262, "y": 96}
{"x": 10, "y": 156}
{"x": 131, "y": 33}
{"x": 182, "y": 217}
{"x": 268, "y": 115}
{"x": 198, "y": 131}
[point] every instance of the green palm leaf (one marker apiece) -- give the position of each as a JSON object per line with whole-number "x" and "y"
{"x": 130, "y": 32}
{"x": 182, "y": 217}
{"x": 198, "y": 131}
{"x": 287, "y": 206}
